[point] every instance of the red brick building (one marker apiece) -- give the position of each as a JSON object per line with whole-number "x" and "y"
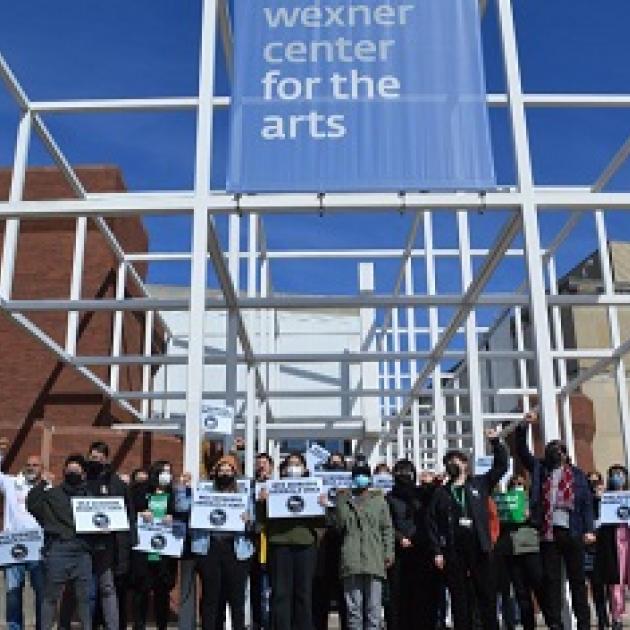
{"x": 45, "y": 405}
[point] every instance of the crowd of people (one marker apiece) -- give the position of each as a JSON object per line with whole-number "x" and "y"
{"x": 434, "y": 549}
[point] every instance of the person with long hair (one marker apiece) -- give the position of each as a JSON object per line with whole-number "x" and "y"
{"x": 292, "y": 558}
{"x": 151, "y": 573}
{"x": 612, "y": 559}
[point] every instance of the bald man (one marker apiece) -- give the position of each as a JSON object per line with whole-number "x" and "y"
{"x": 17, "y": 518}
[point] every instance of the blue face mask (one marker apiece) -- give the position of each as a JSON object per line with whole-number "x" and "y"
{"x": 361, "y": 482}
{"x": 617, "y": 481}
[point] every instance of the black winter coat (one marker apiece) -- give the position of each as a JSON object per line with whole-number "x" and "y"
{"x": 118, "y": 544}
{"x": 442, "y": 517}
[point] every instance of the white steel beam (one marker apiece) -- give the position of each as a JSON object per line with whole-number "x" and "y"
{"x": 198, "y": 274}
{"x": 530, "y": 226}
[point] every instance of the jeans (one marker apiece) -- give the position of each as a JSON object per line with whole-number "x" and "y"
{"x": 570, "y": 551}
{"x": 15, "y": 577}
{"x": 66, "y": 561}
{"x": 104, "y": 589}
{"x": 260, "y": 594}
{"x": 363, "y": 595}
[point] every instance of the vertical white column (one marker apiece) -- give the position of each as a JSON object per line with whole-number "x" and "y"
{"x": 400, "y": 432}
{"x": 615, "y": 334}
{"x": 198, "y": 276}
{"x": 531, "y": 233}
{"x": 12, "y": 226}
{"x": 387, "y": 408}
{"x": 264, "y": 336}
{"x": 565, "y": 401}
{"x": 413, "y": 364}
{"x": 522, "y": 364}
{"x": 472, "y": 348}
{"x": 369, "y": 370}
{"x": 438, "y": 400}
{"x": 121, "y": 278}
{"x": 146, "y": 369}
{"x": 78, "y": 259}
{"x": 250, "y": 418}
{"x": 231, "y": 366}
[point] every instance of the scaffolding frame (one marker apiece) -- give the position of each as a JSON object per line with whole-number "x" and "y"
{"x": 402, "y": 413}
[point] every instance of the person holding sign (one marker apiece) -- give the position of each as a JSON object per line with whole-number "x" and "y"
{"x": 561, "y": 507}
{"x": 67, "y": 555}
{"x": 292, "y": 558}
{"x": 112, "y": 551}
{"x": 223, "y": 556}
{"x": 15, "y": 489}
{"x": 367, "y": 548}
{"x": 612, "y": 559}
{"x": 153, "y": 573}
{"x": 459, "y": 531}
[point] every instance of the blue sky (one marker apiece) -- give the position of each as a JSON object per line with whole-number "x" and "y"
{"x": 66, "y": 49}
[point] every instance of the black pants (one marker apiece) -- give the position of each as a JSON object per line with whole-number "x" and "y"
{"x": 470, "y": 580}
{"x": 570, "y": 551}
{"x": 223, "y": 579}
{"x": 66, "y": 562}
{"x": 152, "y": 577}
{"x": 122, "y": 585}
{"x": 526, "y": 575}
{"x": 414, "y": 592}
{"x": 292, "y": 569}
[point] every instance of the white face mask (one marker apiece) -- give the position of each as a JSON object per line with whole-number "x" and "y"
{"x": 295, "y": 471}
{"x": 165, "y": 478}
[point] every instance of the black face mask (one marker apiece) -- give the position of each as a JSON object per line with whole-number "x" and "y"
{"x": 335, "y": 466}
{"x": 404, "y": 479}
{"x": 224, "y": 481}
{"x": 553, "y": 458}
{"x": 94, "y": 469}
{"x": 453, "y": 470}
{"x": 73, "y": 479}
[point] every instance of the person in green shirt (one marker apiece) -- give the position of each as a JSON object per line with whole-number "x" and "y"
{"x": 152, "y": 573}
{"x": 292, "y": 560}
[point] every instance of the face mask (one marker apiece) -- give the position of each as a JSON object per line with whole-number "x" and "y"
{"x": 30, "y": 476}
{"x": 295, "y": 471}
{"x": 405, "y": 479}
{"x": 165, "y": 478}
{"x": 361, "y": 482}
{"x": 617, "y": 481}
{"x": 73, "y": 478}
{"x": 336, "y": 466}
{"x": 553, "y": 458}
{"x": 94, "y": 468}
{"x": 224, "y": 481}
{"x": 453, "y": 470}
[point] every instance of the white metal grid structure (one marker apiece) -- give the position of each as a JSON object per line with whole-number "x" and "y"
{"x": 412, "y": 401}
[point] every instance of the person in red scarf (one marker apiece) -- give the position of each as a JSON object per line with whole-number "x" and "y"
{"x": 561, "y": 507}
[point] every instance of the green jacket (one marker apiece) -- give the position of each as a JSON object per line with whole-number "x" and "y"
{"x": 367, "y": 534}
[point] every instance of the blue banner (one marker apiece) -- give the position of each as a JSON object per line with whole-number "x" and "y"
{"x": 358, "y": 95}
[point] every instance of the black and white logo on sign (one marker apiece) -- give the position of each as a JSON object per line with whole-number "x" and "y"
{"x": 218, "y": 517}
{"x": 158, "y": 542}
{"x": 332, "y": 494}
{"x": 211, "y": 423}
{"x": 19, "y": 551}
{"x": 101, "y": 520}
{"x": 295, "y": 504}
{"x": 623, "y": 512}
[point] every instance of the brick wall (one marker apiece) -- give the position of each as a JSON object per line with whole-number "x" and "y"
{"x": 36, "y": 390}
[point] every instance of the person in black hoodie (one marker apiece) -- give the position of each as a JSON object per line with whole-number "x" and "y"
{"x": 327, "y": 583}
{"x": 67, "y": 555}
{"x": 459, "y": 531}
{"x": 111, "y": 555}
{"x": 413, "y": 579}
